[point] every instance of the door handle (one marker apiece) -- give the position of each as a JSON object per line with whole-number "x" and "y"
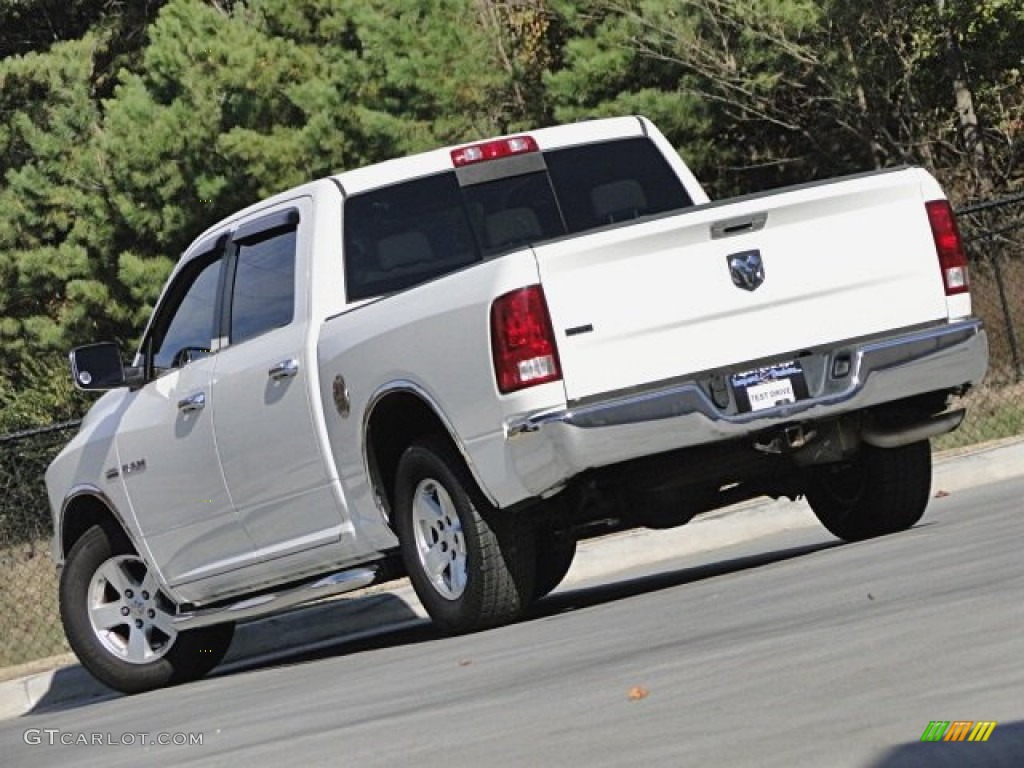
{"x": 192, "y": 403}
{"x": 286, "y": 369}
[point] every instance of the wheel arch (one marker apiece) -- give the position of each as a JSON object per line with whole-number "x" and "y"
{"x": 395, "y": 418}
{"x": 83, "y": 508}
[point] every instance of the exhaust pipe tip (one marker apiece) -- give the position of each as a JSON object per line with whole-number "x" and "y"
{"x": 905, "y": 434}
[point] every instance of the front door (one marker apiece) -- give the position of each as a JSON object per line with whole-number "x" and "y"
{"x": 166, "y": 447}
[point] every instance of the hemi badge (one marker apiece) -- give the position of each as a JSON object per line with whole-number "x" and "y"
{"x": 112, "y": 473}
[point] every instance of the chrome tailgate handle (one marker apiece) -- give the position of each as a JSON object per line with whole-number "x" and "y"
{"x": 192, "y": 403}
{"x": 286, "y": 369}
{"x": 739, "y": 226}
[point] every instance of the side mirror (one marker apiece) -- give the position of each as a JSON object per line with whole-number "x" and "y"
{"x": 97, "y": 366}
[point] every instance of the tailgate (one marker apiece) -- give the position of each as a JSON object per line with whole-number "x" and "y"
{"x": 657, "y": 300}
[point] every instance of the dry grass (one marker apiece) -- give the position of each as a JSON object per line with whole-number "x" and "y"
{"x": 28, "y": 605}
{"x": 992, "y": 413}
{"x": 1003, "y": 321}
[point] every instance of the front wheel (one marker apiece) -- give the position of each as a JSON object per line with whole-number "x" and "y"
{"x": 882, "y": 490}
{"x": 472, "y": 565}
{"x": 120, "y": 624}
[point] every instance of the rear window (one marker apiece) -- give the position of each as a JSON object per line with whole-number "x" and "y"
{"x": 400, "y": 236}
{"x": 406, "y": 234}
{"x": 599, "y": 185}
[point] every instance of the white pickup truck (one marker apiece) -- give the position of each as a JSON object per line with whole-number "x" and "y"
{"x": 455, "y": 365}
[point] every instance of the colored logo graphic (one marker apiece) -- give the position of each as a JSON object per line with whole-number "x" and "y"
{"x": 958, "y": 730}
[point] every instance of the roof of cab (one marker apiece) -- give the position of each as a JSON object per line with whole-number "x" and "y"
{"x": 426, "y": 163}
{"x": 438, "y": 160}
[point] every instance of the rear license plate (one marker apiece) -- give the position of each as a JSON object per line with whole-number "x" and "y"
{"x": 764, "y": 388}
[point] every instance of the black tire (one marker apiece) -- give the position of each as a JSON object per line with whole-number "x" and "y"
{"x": 555, "y": 553}
{"x": 482, "y": 559}
{"x": 87, "y": 594}
{"x": 881, "y": 491}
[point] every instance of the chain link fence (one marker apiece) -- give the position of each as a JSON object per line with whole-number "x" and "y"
{"x": 28, "y": 582}
{"x": 993, "y": 232}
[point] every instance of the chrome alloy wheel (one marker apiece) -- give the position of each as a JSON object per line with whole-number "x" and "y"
{"x": 131, "y": 618}
{"x": 440, "y": 543}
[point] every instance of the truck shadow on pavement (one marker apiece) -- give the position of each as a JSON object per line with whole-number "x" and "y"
{"x": 384, "y": 620}
{"x": 568, "y": 599}
{"x": 267, "y": 642}
{"x": 571, "y": 598}
{"x": 70, "y": 688}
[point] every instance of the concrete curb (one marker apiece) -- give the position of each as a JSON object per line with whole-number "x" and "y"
{"x": 371, "y": 611}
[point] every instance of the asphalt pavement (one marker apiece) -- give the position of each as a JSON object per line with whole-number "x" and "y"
{"x": 387, "y": 610}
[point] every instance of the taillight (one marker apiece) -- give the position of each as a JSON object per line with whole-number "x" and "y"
{"x": 522, "y": 341}
{"x": 492, "y": 150}
{"x": 949, "y": 246}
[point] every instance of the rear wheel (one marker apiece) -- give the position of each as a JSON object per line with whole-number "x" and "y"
{"x": 472, "y": 565}
{"x": 120, "y": 624}
{"x": 882, "y": 490}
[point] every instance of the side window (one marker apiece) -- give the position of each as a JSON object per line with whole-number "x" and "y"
{"x": 184, "y": 326}
{"x": 263, "y": 294}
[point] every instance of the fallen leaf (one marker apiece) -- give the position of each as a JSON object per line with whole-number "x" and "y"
{"x": 638, "y": 692}
{"x": 941, "y": 494}
{"x": 465, "y": 662}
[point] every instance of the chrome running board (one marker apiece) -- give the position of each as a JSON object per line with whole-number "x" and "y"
{"x": 273, "y": 602}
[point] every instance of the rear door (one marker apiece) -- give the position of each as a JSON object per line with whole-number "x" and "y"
{"x": 266, "y": 438}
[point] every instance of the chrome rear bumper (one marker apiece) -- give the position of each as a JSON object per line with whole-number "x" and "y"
{"x": 550, "y": 447}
